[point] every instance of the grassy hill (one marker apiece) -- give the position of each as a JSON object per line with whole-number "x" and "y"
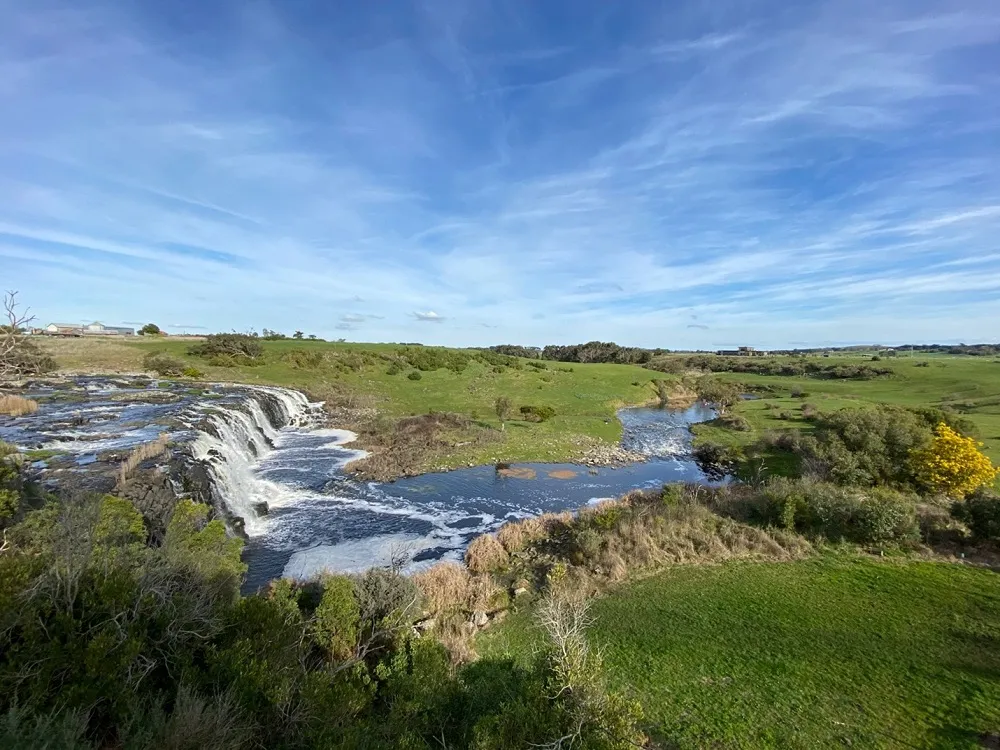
{"x": 838, "y": 651}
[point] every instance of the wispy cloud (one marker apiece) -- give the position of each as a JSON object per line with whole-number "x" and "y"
{"x": 428, "y": 317}
{"x": 803, "y": 174}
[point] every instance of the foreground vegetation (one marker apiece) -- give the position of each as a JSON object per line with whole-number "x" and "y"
{"x": 113, "y": 636}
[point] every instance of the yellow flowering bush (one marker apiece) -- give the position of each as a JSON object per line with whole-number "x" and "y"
{"x": 952, "y": 464}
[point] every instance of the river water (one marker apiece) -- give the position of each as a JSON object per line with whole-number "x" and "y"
{"x": 262, "y": 445}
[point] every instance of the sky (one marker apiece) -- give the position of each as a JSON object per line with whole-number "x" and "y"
{"x": 473, "y": 172}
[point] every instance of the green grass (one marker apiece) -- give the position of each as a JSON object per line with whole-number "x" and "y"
{"x": 970, "y": 385}
{"x": 837, "y": 651}
{"x": 585, "y": 397}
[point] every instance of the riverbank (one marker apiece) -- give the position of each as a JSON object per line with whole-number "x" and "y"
{"x": 413, "y": 420}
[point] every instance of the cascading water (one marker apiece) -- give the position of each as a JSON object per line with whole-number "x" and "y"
{"x": 275, "y": 473}
{"x": 237, "y": 438}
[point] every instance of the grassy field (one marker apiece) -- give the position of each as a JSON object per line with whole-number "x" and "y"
{"x": 585, "y": 397}
{"x": 837, "y": 651}
{"x": 971, "y": 385}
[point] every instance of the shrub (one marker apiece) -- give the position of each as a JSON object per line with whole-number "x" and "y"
{"x": 734, "y": 422}
{"x": 10, "y": 504}
{"x": 163, "y": 364}
{"x": 192, "y": 372}
{"x": 538, "y": 413}
{"x": 981, "y": 513}
{"x": 872, "y": 516}
{"x": 150, "y": 329}
{"x": 415, "y": 375}
{"x": 336, "y": 619}
{"x": 234, "y": 348}
{"x": 303, "y": 359}
{"x": 721, "y": 394}
{"x": 952, "y": 464}
{"x": 866, "y": 446}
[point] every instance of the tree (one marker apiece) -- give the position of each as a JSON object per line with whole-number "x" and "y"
{"x": 952, "y": 464}
{"x": 18, "y": 356}
{"x": 502, "y": 406}
{"x": 298, "y": 335}
{"x": 722, "y": 394}
{"x": 150, "y": 329}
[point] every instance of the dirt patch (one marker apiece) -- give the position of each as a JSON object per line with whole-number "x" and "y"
{"x": 518, "y": 473}
{"x": 562, "y": 474}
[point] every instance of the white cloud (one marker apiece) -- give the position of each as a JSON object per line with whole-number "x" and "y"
{"x": 428, "y": 317}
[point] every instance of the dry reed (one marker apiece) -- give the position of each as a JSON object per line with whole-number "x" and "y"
{"x": 17, "y": 406}
{"x": 139, "y": 454}
{"x": 485, "y": 554}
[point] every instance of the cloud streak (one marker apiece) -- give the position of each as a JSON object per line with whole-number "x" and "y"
{"x": 815, "y": 173}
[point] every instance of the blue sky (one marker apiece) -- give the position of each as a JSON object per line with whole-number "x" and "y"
{"x": 683, "y": 174}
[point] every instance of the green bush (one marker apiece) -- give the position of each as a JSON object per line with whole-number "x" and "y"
{"x": 863, "y": 516}
{"x": 872, "y": 446}
{"x": 232, "y": 348}
{"x": 10, "y": 504}
{"x": 164, "y": 364}
{"x": 303, "y": 359}
{"x": 192, "y": 372}
{"x": 734, "y": 422}
{"x": 415, "y": 375}
{"x": 428, "y": 358}
{"x": 539, "y": 413}
{"x": 981, "y": 513}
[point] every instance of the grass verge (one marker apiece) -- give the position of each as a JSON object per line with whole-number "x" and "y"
{"x": 836, "y": 651}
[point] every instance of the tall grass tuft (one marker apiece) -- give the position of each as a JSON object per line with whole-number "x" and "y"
{"x": 17, "y": 406}
{"x": 139, "y": 454}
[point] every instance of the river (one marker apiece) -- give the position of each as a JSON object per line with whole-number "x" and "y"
{"x": 263, "y": 445}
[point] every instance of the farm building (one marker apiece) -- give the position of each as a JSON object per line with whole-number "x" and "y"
{"x": 93, "y": 329}
{"x": 743, "y": 351}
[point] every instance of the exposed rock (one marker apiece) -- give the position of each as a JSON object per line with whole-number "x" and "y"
{"x": 611, "y": 455}
{"x": 480, "y": 619}
{"x": 427, "y": 624}
{"x": 520, "y": 591}
{"x": 261, "y": 509}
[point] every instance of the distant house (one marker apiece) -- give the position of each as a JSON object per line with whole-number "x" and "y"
{"x": 63, "y": 329}
{"x": 99, "y": 329}
{"x": 93, "y": 329}
{"x": 743, "y": 351}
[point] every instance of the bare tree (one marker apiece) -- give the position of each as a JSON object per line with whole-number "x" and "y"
{"x": 578, "y": 680}
{"x": 18, "y": 356}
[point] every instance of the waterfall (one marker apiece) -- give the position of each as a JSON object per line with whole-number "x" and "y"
{"x": 235, "y": 438}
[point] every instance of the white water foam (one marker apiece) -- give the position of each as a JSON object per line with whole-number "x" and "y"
{"x": 358, "y": 555}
